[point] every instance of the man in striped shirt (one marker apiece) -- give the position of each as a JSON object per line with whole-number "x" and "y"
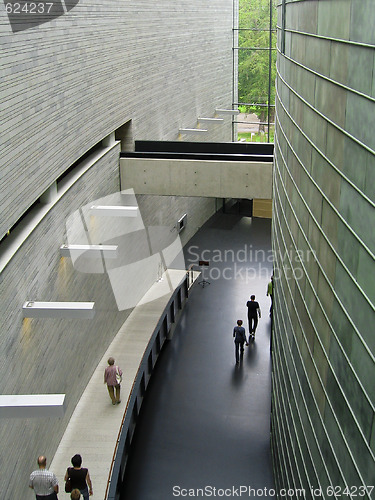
{"x": 44, "y": 482}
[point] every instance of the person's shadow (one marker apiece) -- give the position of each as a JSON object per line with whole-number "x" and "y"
{"x": 238, "y": 374}
{"x": 251, "y": 353}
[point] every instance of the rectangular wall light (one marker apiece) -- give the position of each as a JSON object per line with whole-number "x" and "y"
{"x": 227, "y": 111}
{"x": 114, "y": 211}
{"x": 211, "y": 120}
{"x": 89, "y": 251}
{"x": 79, "y": 310}
{"x": 32, "y": 405}
{"x": 192, "y": 131}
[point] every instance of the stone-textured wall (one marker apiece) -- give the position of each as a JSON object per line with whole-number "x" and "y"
{"x": 323, "y": 424}
{"x": 60, "y": 355}
{"x": 49, "y": 355}
{"x": 68, "y": 83}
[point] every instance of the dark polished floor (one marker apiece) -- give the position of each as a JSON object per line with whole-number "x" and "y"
{"x": 205, "y": 421}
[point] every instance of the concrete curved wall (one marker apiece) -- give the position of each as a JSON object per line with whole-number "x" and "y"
{"x": 46, "y": 355}
{"x": 323, "y": 425}
{"x": 70, "y": 82}
{"x": 66, "y": 85}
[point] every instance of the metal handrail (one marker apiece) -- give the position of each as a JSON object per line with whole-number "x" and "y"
{"x": 112, "y": 480}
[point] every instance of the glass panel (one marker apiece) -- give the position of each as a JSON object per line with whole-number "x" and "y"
{"x": 256, "y": 55}
{"x": 253, "y": 67}
{"x": 254, "y": 14}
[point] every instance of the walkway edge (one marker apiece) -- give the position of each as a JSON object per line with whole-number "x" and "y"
{"x": 95, "y": 425}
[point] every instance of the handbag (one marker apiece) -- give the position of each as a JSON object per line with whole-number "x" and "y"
{"x": 118, "y": 376}
{"x": 68, "y": 485}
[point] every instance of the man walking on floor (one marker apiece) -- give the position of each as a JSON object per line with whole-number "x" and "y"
{"x": 44, "y": 482}
{"x": 239, "y": 335}
{"x": 253, "y": 312}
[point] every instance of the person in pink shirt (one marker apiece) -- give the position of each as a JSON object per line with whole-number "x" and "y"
{"x": 113, "y": 377}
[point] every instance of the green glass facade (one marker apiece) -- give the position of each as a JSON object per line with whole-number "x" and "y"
{"x": 323, "y": 400}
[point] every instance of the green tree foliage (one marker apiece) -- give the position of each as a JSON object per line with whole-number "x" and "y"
{"x": 253, "y": 64}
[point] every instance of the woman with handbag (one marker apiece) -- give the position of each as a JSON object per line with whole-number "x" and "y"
{"x": 113, "y": 378}
{"x": 78, "y": 477}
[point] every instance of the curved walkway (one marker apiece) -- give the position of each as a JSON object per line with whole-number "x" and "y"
{"x": 204, "y": 424}
{"x": 94, "y": 427}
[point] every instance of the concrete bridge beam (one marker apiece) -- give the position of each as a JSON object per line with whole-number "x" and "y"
{"x": 206, "y": 178}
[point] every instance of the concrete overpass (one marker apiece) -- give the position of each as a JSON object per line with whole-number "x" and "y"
{"x": 225, "y": 170}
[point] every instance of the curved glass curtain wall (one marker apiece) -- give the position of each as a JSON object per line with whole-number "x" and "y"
{"x": 254, "y": 64}
{"x": 323, "y": 213}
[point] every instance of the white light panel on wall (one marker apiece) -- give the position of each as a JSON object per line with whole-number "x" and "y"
{"x": 89, "y": 251}
{"x": 114, "y": 211}
{"x": 211, "y": 120}
{"x": 32, "y": 405}
{"x": 192, "y": 131}
{"x": 227, "y": 111}
{"x": 78, "y": 310}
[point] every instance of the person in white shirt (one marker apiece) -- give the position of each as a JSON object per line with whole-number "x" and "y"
{"x": 44, "y": 482}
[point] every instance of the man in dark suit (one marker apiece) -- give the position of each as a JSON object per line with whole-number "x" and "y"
{"x": 239, "y": 335}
